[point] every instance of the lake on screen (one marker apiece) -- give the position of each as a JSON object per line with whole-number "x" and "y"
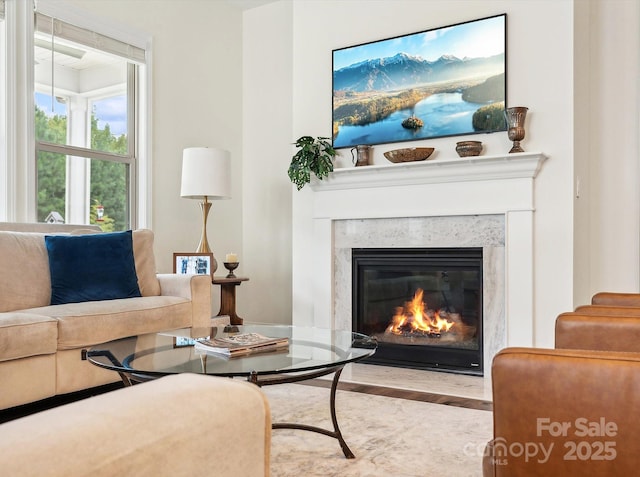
{"x": 444, "y": 114}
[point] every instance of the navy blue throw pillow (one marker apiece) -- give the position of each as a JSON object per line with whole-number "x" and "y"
{"x": 91, "y": 267}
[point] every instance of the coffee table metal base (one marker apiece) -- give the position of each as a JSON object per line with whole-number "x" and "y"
{"x": 281, "y": 379}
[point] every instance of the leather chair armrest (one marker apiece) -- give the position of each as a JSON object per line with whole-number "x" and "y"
{"x": 596, "y": 332}
{"x": 547, "y": 403}
{"x": 488, "y": 461}
{"x": 616, "y": 299}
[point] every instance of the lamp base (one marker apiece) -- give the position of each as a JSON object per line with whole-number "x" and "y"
{"x": 203, "y": 246}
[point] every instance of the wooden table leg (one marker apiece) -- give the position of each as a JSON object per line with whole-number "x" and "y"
{"x": 228, "y": 302}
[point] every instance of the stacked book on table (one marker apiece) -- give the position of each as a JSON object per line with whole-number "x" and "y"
{"x": 241, "y": 344}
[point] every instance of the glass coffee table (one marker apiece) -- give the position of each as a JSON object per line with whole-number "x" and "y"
{"x": 312, "y": 352}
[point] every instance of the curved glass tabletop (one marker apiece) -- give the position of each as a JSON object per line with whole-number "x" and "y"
{"x": 172, "y": 352}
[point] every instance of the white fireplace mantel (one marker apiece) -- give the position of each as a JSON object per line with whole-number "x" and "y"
{"x": 473, "y": 186}
{"x": 476, "y": 168}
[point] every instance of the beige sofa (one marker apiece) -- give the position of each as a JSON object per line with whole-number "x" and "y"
{"x": 40, "y": 344}
{"x": 186, "y": 424}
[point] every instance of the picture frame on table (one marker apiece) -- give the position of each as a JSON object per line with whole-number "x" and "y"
{"x": 193, "y": 263}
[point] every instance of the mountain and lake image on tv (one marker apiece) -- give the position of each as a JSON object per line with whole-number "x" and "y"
{"x": 447, "y": 81}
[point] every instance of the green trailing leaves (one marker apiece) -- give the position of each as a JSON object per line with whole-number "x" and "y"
{"x": 314, "y": 155}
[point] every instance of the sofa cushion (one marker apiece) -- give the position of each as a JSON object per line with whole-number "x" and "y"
{"x": 94, "y": 322}
{"x": 24, "y": 271}
{"x": 91, "y": 267}
{"x": 27, "y": 334}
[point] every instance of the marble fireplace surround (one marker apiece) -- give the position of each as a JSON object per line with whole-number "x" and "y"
{"x": 486, "y": 231}
{"x": 485, "y": 201}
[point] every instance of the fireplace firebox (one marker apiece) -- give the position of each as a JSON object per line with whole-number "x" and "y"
{"x": 422, "y": 305}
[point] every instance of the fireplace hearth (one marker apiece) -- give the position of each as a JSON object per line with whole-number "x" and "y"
{"x": 423, "y": 306}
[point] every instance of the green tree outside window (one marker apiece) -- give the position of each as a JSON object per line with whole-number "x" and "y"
{"x": 108, "y": 178}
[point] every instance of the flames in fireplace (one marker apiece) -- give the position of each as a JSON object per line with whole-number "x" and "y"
{"x": 414, "y": 318}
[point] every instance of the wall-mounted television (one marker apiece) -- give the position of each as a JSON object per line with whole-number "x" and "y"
{"x": 448, "y": 81}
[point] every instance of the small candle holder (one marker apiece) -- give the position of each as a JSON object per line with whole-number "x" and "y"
{"x": 231, "y": 266}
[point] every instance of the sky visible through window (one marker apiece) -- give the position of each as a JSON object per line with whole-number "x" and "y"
{"x": 43, "y": 101}
{"x": 111, "y": 111}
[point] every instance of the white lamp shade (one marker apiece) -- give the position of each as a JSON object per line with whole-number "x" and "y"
{"x": 206, "y": 172}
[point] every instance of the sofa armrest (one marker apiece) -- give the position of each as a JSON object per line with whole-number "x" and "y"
{"x": 616, "y": 299}
{"x": 196, "y": 288}
{"x": 184, "y": 424}
{"x": 598, "y": 332}
{"x": 546, "y": 402}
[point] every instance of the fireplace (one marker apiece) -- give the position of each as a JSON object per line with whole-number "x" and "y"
{"x": 423, "y": 305}
{"x": 483, "y": 201}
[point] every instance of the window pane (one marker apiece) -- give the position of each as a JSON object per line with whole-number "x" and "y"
{"x": 92, "y": 83}
{"x": 106, "y": 202}
{"x": 84, "y": 106}
{"x": 109, "y": 124}
{"x": 109, "y": 194}
{"x": 51, "y": 185}
{"x": 51, "y": 119}
{"x": 3, "y": 116}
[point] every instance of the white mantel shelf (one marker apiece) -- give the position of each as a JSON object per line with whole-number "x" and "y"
{"x": 476, "y": 168}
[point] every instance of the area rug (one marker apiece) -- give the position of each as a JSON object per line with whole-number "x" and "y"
{"x": 390, "y": 437}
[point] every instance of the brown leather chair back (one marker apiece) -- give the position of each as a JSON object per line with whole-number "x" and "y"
{"x": 608, "y": 310}
{"x": 564, "y": 413}
{"x": 595, "y": 332}
{"x": 616, "y": 299}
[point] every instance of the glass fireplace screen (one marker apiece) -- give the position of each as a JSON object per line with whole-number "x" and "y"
{"x": 424, "y": 306}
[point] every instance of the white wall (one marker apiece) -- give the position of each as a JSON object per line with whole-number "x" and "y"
{"x": 606, "y": 108}
{"x": 196, "y": 101}
{"x": 581, "y": 134}
{"x": 267, "y": 123}
{"x": 614, "y": 193}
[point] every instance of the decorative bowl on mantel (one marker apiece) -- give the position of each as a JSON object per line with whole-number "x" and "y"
{"x": 409, "y": 154}
{"x": 468, "y": 148}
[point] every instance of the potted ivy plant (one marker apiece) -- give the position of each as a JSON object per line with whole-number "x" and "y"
{"x": 314, "y": 155}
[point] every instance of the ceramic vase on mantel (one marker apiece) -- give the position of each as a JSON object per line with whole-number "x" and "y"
{"x": 515, "y": 126}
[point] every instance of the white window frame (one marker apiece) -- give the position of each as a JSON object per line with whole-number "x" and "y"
{"x": 18, "y": 176}
{"x": 4, "y": 192}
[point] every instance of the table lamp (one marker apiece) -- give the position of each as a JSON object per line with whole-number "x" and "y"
{"x": 206, "y": 174}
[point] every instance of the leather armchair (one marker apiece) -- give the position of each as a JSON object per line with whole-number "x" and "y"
{"x": 614, "y": 304}
{"x": 616, "y": 299}
{"x": 569, "y": 411}
{"x": 565, "y": 413}
{"x": 613, "y": 332}
{"x": 610, "y": 310}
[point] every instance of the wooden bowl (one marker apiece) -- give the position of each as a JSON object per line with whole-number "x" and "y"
{"x": 409, "y": 154}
